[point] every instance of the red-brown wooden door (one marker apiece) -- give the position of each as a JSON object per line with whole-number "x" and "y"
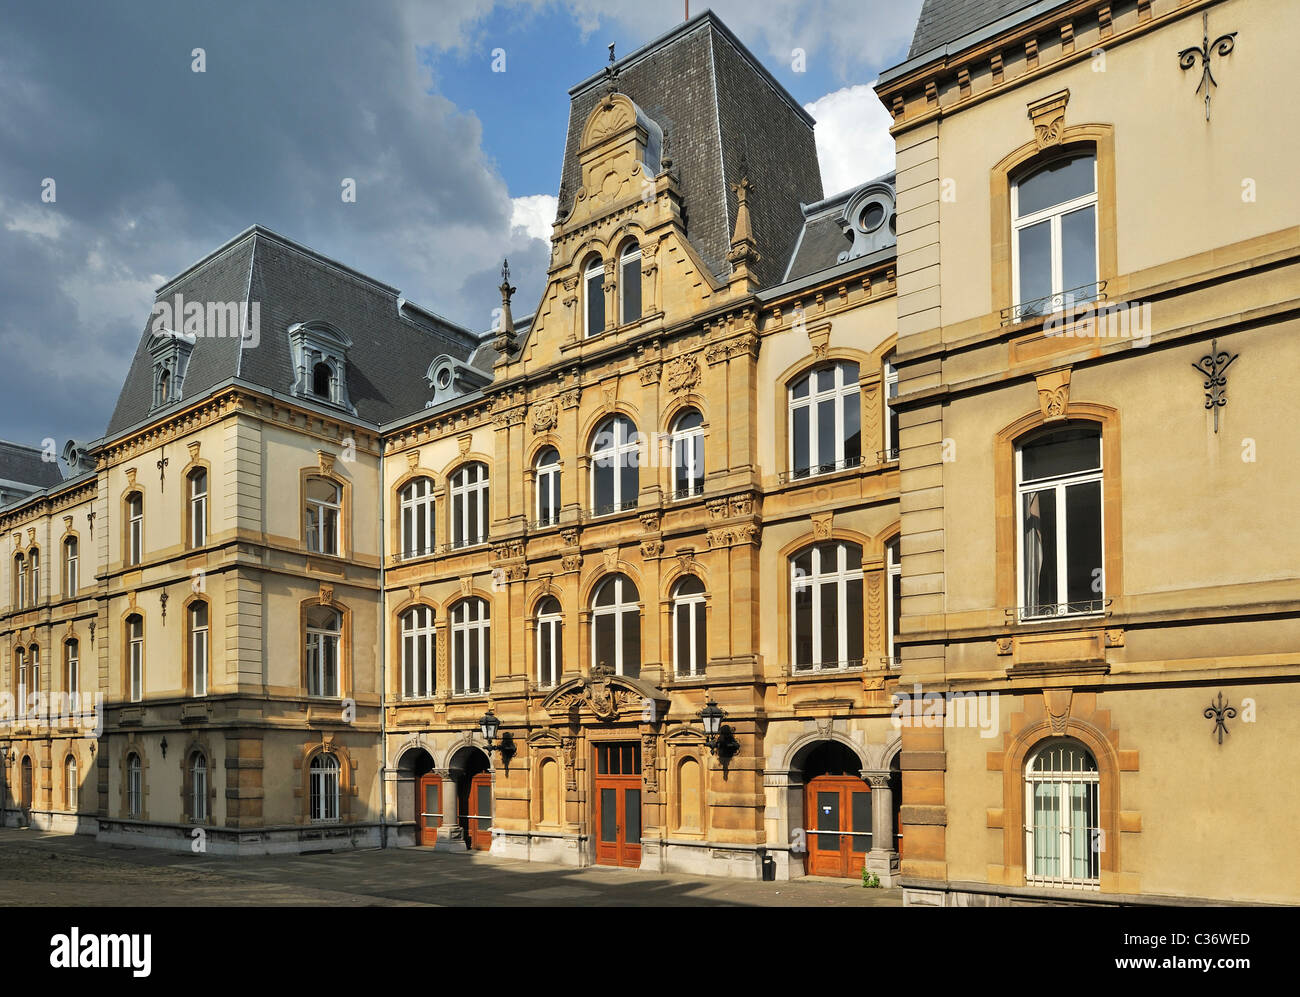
{"x": 428, "y": 809}
{"x": 618, "y": 804}
{"x": 477, "y": 812}
{"x": 838, "y": 813}
{"x": 26, "y": 801}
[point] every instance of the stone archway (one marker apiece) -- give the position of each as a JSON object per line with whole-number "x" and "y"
{"x": 467, "y": 797}
{"x": 414, "y": 763}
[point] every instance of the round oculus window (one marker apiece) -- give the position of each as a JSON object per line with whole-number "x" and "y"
{"x": 872, "y": 216}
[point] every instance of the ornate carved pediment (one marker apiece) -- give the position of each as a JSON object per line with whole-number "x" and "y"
{"x": 1048, "y": 116}
{"x": 608, "y": 697}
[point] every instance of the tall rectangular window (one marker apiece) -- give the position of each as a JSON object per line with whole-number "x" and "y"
{"x": 629, "y": 284}
{"x": 1054, "y": 236}
{"x": 135, "y": 528}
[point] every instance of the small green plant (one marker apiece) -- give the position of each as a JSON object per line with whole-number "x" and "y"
{"x": 869, "y": 879}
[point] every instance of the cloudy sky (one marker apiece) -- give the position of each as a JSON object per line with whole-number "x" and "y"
{"x": 154, "y": 165}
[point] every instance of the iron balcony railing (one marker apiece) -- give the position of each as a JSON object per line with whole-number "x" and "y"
{"x": 611, "y": 508}
{"x": 1034, "y": 308}
{"x": 1057, "y": 610}
{"x": 690, "y": 491}
{"x": 815, "y": 470}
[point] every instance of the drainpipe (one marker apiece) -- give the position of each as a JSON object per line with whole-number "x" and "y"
{"x": 383, "y": 660}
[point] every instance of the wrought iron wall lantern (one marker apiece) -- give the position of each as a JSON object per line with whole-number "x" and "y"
{"x": 1220, "y": 713}
{"x": 1214, "y": 366}
{"x": 719, "y": 738}
{"x": 1221, "y": 46}
{"x": 489, "y": 726}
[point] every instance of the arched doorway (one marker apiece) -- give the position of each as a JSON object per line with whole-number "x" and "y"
{"x": 419, "y": 795}
{"x": 25, "y": 801}
{"x": 837, "y": 811}
{"x": 473, "y": 774}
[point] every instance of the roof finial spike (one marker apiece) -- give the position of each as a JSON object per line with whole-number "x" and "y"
{"x": 505, "y": 341}
{"x": 611, "y": 77}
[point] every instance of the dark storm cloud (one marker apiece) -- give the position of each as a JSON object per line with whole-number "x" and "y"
{"x": 156, "y": 165}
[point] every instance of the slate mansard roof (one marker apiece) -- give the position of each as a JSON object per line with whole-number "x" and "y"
{"x": 717, "y": 106}
{"x": 24, "y": 470}
{"x": 944, "y": 21}
{"x": 393, "y": 340}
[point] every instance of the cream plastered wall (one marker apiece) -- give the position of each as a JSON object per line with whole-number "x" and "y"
{"x": 1182, "y": 483}
{"x": 1179, "y": 180}
{"x": 1187, "y": 796}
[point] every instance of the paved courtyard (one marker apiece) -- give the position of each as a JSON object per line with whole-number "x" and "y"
{"x": 39, "y": 869}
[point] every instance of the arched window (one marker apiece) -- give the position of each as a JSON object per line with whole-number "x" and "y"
{"x": 891, "y": 416}
{"x": 20, "y": 581}
{"x": 198, "y": 787}
{"x": 323, "y": 776}
{"x": 322, "y": 378}
{"x": 690, "y": 646}
{"x": 134, "y": 786}
{"x": 135, "y": 658}
{"x": 417, "y": 518}
{"x": 34, "y": 668}
{"x": 1054, "y": 235}
{"x": 135, "y": 528}
{"x": 324, "y": 632}
{"x": 469, "y": 505}
{"x": 471, "y": 646}
{"x": 34, "y": 570}
{"x": 550, "y": 642}
{"x": 688, "y": 454}
{"x": 198, "y": 507}
{"x": 164, "y": 387}
{"x": 198, "y": 647}
{"x": 615, "y": 466}
{"x": 1061, "y": 802}
{"x": 1058, "y": 485}
{"x": 894, "y": 579}
{"x": 593, "y": 297}
{"x": 70, "y": 784}
{"x": 419, "y": 660}
{"x": 629, "y": 283}
{"x": 616, "y": 627}
{"x": 825, "y": 420}
{"x": 324, "y": 508}
{"x": 71, "y": 670}
{"x": 826, "y": 592}
{"x": 20, "y": 679}
{"x": 71, "y": 559}
{"x": 548, "y": 487}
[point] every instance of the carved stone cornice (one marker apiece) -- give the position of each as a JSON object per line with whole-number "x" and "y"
{"x": 746, "y": 344}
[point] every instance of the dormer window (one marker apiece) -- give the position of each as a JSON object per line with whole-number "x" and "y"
{"x": 593, "y": 294}
{"x": 320, "y": 361}
{"x": 170, "y": 353}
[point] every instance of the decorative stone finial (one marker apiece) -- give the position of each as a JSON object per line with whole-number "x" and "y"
{"x": 505, "y": 342}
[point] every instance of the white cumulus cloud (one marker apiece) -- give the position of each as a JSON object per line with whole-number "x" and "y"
{"x": 535, "y": 214}
{"x": 853, "y": 140}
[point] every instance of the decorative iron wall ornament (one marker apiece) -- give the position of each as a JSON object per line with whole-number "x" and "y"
{"x": 1220, "y": 713}
{"x": 1222, "y": 45}
{"x": 1213, "y": 365}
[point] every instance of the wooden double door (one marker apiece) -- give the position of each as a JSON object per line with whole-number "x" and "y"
{"x": 837, "y": 810}
{"x": 474, "y": 794}
{"x": 617, "y": 806}
{"x": 428, "y": 809}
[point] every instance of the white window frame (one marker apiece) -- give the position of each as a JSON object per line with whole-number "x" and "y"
{"x": 71, "y": 668}
{"x": 199, "y": 646}
{"x": 135, "y": 658}
{"x": 70, "y": 783}
{"x": 471, "y": 620}
{"x": 547, "y": 480}
{"x": 687, "y": 443}
{"x": 617, "y": 452}
{"x": 890, "y": 392}
{"x": 135, "y": 535}
{"x": 594, "y": 269}
{"x": 198, "y": 507}
{"x": 20, "y": 581}
{"x": 839, "y": 576}
{"x": 134, "y": 786}
{"x": 840, "y": 390}
{"x": 71, "y": 564}
{"x": 416, "y": 628}
{"x": 1058, "y": 485}
{"x": 1062, "y": 782}
{"x": 20, "y": 666}
{"x": 893, "y": 582}
{"x": 321, "y": 643}
{"x": 199, "y": 788}
{"x": 417, "y": 508}
{"x": 1053, "y": 213}
{"x": 34, "y": 575}
{"x": 469, "y": 491}
{"x": 34, "y": 668}
{"x": 320, "y": 538}
{"x": 630, "y": 253}
{"x": 687, "y": 657}
{"x": 550, "y": 637}
{"x": 324, "y": 777}
{"x": 618, "y": 609}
